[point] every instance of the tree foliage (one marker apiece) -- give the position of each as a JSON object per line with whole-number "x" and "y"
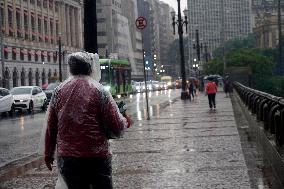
{"x": 242, "y": 53}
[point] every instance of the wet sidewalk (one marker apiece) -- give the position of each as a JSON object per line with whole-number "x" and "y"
{"x": 185, "y": 145}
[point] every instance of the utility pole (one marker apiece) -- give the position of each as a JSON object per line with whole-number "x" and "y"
{"x": 281, "y": 65}
{"x": 2, "y": 53}
{"x": 90, "y": 26}
{"x": 206, "y": 52}
{"x": 222, "y": 33}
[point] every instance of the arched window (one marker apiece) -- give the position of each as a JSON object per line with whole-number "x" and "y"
{"x": 43, "y": 77}
{"x": 7, "y": 78}
{"x": 23, "y": 77}
{"x": 37, "y": 77}
{"x": 15, "y": 77}
{"x": 30, "y": 77}
{"x": 49, "y": 75}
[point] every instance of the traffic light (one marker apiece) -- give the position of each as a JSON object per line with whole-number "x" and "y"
{"x": 155, "y": 57}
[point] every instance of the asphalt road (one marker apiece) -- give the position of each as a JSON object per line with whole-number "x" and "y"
{"x": 20, "y": 135}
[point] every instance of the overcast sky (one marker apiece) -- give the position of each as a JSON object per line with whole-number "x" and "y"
{"x": 173, "y": 3}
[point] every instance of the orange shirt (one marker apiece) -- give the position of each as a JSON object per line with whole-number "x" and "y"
{"x": 211, "y": 88}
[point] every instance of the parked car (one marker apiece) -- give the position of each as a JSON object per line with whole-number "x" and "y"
{"x": 49, "y": 90}
{"x": 28, "y": 98}
{"x": 6, "y": 102}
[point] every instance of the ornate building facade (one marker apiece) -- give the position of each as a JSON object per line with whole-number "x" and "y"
{"x": 30, "y": 33}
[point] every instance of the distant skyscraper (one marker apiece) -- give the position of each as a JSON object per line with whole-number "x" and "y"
{"x": 157, "y": 36}
{"x": 206, "y": 17}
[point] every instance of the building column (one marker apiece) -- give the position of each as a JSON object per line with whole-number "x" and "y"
{"x": 80, "y": 28}
{"x": 73, "y": 27}
{"x": 36, "y": 24}
{"x": 68, "y": 33}
{"x": 76, "y": 28}
{"x": 22, "y": 20}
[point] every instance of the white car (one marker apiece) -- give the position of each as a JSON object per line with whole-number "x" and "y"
{"x": 6, "y": 101}
{"x": 28, "y": 98}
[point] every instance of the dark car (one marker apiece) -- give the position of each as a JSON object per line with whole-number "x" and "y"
{"x": 49, "y": 90}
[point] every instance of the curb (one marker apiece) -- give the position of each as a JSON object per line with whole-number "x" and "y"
{"x": 20, "y": 166}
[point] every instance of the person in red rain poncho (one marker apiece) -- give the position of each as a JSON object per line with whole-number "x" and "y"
{"x": 80, "y": 113}
{"x": 211, "y": 90}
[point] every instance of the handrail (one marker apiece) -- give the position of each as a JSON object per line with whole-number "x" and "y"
{"x": 268, "y": 108}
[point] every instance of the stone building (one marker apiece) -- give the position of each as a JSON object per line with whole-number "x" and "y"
{"x": 31, "y": 30}
{"x": 265, "y": 23}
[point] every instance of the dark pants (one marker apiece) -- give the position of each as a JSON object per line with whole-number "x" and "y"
{"x": 211, "y": 99}
{"x": 86, "y": 173}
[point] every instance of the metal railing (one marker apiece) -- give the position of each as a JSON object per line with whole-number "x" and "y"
{"x": 268, "y": 108}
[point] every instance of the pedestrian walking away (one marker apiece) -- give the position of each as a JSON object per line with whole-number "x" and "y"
{"x": 81, "y": 117}
{"x": 227, "y": 85}
{"x": 191, "y": 89}
{"x": 211, "y": 90}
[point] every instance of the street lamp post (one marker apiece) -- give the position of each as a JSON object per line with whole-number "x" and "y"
{"x": 180, "y": 22}
{"x": 2, "y": 54}
{"x": 60, "y": 57}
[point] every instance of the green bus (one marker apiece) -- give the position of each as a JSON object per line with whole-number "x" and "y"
{"x": 116, "y": 76}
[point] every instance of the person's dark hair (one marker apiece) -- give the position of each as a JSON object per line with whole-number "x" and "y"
{"x": 79, "y": 67}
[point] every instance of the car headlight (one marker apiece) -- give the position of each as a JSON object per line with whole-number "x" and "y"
{"x": 25, "y": 100}
{"x": 137, "y": 87}
{"x": 107, "y": 88}
{"x": 157, "y": 86}
{"x": 169, "y": 83}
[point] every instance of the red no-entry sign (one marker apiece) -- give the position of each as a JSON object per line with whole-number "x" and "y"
{"x": 141, "y": 23}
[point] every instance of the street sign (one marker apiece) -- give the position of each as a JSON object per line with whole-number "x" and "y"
{"x": 141, "y": 23}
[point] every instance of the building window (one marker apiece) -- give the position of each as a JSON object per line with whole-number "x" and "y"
{"x": 10, "y": 20}
{"x": 37, "y": 77}
{"x": 15, "y": 77}
{"x": 55, "y": 57}
{"x": 2, "y": 16}
{"x": 43, "y": 77}
{"x": 45, "y": 30}
{"x": 56, "y": 27}
{"x": 51, "y": 30}
{"x": 49, "y": 76}
{"x": 39, "y": 29}
{"x": 18, "y": 20}
{"x": 33, "y": 26}
{"x": 56, "y": 7}
{"x": 6, "y": 53}
{"x": 39, "y": 3}
{"x": 22, "y": 55}
{"x": 45, "y": 3}
{"x": 48, "y": 57}
{"x": 30, "y": 77}
{"x": 42, "y": 56}
{"x": 32, "y": 1}
{"x": 36, "y": 57}
{"x": 26, "y": 25}
{"x": 14, "y": 53}
{"x": 23, "y": 77}
{"x": 29, "y": 55}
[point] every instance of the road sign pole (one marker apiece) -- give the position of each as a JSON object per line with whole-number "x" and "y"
{"x": 141, "y": 23}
